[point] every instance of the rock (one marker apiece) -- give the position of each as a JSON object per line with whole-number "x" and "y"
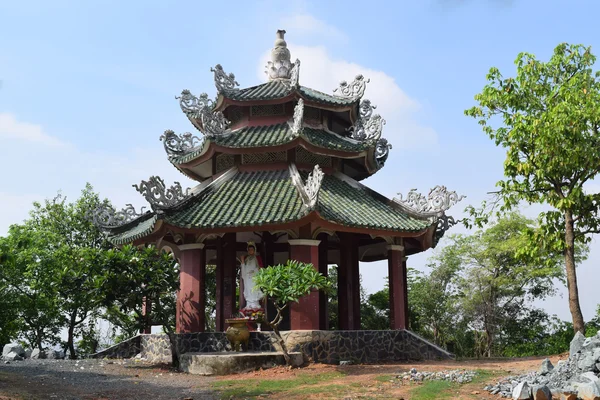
{"x": 591, "y": 343}
{"x": 28, "y": 353}
{"x": 521, "y": 392}
{"x": 546, "y": 367}
{"x": 56, "y": 355}
{"x": 576, "y": 344}
{"x": 590, "y": 377}
{"x": 588, "y": 391}
{"x": 586, "y": 362}
{"x": 12, "y": 356}
{"x": 37, "y": 354}
{"x": 541, "y": 393}
{"x": 13, "y": 348}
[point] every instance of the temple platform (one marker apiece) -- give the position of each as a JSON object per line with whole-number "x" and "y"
{"x": 327, "y": 347}
{"x": 228, "y": 362}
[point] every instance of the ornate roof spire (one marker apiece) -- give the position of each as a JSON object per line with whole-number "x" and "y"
{"x": 280, "y": 66}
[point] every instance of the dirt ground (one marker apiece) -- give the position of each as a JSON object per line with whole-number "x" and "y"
{"x": 128, "y": 379}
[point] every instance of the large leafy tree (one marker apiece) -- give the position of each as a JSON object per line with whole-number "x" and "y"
{"x": 137, "y": 275}
{"x": 28, "y": 272}
{"x": 77, "y": 246}
{"x": 548, "y": 119}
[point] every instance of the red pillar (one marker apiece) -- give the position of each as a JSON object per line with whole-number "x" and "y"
{"x": 306, "y": 314}
{"x": 191, "y": 295}
{"x": 398, "y": 288}
{"x": 348, "y": 283}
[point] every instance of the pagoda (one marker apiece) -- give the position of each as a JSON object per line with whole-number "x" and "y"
{"x": 280, "y": 164}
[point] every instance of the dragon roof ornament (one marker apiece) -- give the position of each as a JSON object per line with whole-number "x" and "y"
{"x": 106, "y": 217}
{"x": 223, "y": 81}
{"x": 353, "y": 90}
{"x": 296, "y": 124}
{"x": 382, "y": 151}
{"x": 309, "y": 191}
{"x": 368, "y": 127}
{"x": 179, "y": 144}
{"x": 437, "y": 202}
{"x": 201, "y": 107}
{"x": 280, "y": 66}
{"x": 313, "y": 185}
{"x": 434, "y": 205}
{"x": 158, "y": 195}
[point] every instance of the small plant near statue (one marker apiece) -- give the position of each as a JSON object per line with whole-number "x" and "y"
{"x": 287, "y": 283}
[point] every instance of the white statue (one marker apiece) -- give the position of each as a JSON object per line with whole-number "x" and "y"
{"x": 249, "y": 267}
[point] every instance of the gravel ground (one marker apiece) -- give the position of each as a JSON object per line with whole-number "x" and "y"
{"x": 98, "y": 379}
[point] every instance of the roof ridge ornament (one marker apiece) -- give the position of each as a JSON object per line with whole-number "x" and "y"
{"x": 223, "y": 81}
{"x": 382, "y": 151}
{"x": 213, "y": 123}
{"x": 353, "y": 90}
{"x": 156, "y": 193}
{"x": 309, "y": 191}
{"x": 438, "y": 201}
{"x": 106, "y": 217}
{"x": 280, "y": 66}
{"x": 296, "y": 125}
{"x": 295, "y": 75}
{"x": 313, "y": 185}
{"x": 434, "y": 205}
{"x": 179, "y": 144}
{"x": 368, "y": 127}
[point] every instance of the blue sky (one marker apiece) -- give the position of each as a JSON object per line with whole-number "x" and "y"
{"x": 87, "y": 88}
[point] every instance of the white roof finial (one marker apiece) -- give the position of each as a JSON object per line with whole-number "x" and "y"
{"x": 280, "y": 66}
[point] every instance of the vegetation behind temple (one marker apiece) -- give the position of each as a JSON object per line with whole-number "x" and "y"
{"x": 475, "y": 299}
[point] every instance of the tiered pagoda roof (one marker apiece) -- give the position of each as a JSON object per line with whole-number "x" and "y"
{"x": 276, "y": 156}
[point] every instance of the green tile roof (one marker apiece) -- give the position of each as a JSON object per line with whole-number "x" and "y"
{"x": 139, "y": 229}
{"x": 274, "y": 135}
{"x": 278, "y": 89}
{"x": 247, "y": 199}
{"x": 361, "y": 207}
{"x": 253, "y": 199}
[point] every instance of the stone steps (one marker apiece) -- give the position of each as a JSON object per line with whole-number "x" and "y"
{"x": 227, "y": 362}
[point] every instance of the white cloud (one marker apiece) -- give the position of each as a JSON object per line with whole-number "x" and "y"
{"x": 11, "y": 128}
{"x": 321, "y": 72}
{"x": 66, "y": 168}
{"x": 306, "y": 24}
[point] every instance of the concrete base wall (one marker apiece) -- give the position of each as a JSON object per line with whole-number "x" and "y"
{"x": 328, "y": 347}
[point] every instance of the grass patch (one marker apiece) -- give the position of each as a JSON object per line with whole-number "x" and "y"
{"x": 431, "y": 390}
{"x": 384, "y": 378}
{"x": 255, "y": 387}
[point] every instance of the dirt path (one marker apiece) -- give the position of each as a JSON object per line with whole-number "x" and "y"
{"x": 128, "y": 379}
{"x": 98, "y": 380}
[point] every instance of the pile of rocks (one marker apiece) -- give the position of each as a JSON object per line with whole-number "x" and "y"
{"x": 15, "y": 352}
{"x": 456, "y": 375}
{"x": 571, "y": 379}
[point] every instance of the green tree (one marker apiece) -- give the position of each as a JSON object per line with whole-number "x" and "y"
{"x": 495, "y": 283}
{"x": 77, "y": 246}
{"x": 135, "y": 275}
{"x": 285, "y": 284}
{"x": 548, "y": 119}
{"x": 434, "y": 297}
{"x": 28, "y": 271}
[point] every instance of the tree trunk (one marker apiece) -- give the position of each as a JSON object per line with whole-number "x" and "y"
{"x": 288, "y": 360}
{"x": 174, "y": 349}
{"x": 574, "y": 307}
{"x": 70, "y": 337}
